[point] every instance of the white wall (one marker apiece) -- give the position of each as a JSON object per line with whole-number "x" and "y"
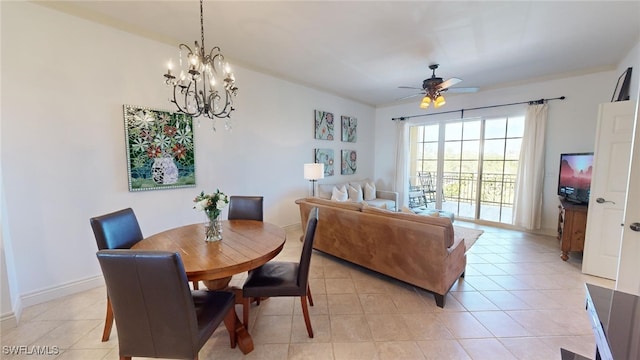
{"x": 63, "y": 146}
{"x": 570, "y": 128}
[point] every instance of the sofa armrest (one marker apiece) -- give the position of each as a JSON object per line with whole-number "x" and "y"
{"x": 387, "y": 195}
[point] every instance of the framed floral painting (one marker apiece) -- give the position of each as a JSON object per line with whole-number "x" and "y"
{"x": 323, "y": 125}
{"x": 349, "y": 158}
{"x": 325, "y": 156}
{"x": 349, "y": 127}
{"x": 160, "y": 151}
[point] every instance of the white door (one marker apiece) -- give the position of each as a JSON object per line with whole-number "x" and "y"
{"x": 608, "y": 189}
{"x": 629, "y": 266}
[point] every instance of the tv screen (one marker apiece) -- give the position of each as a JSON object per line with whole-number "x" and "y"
{"x": 574, "y": 181}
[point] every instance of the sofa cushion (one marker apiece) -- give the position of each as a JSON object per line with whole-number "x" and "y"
{"x": 369, "y": 191}
{"x": 339, "y": 194}
{"x": 341, "y": 204}
{"x": 325, "y": 190}
{"x": 440, "y": 221}
{"x": 355, "y": 193}
{"x": 382, "y": 203}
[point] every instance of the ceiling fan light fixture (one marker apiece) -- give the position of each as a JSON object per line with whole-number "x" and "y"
{"x": 426, "y": 101}
{"x": 439, "y": 101}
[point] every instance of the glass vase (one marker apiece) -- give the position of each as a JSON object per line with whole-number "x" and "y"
{"x": 213, "y": 230}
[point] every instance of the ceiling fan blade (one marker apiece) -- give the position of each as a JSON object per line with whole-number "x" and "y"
{"x": 462, "y": 90}
{"x": 409, "y": 87}
{"x": 448, "y": 83}
{"x": 410, "y": 96}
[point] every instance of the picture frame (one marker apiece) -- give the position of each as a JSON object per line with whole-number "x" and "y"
{"x": 349, "y": 128}
{"x": 349, "y": 162}
{"x": 326, "y": 157}
{"x": 160, "y": 149}
{"x": 324, "y": 125}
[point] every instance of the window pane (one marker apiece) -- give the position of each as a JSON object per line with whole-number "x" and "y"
{"x": 511, "y": 168}
{"x": 512, "y": 151}
{"x": 453, "y": 131}
{"x": 451, "y": 167}
{"x": 415, "y": 132}
{"x": 452, "y": 150}
{"x": 430, "y": 151}
{"x": 469, "y": 167}
{"x": 472, "y": 130}
{"x": 431, "y": 132}
{"x": 515, "y": 128}
{"x": 494, "y": 149}
{"x": 430, "y": 166}
{"x": 470, "y": 149}
{"x": 495, "y": 128}
{"x": 419, "y": 150}
{"x": 490, "y": 168}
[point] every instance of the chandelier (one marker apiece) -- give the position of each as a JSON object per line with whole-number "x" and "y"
{"x": 205, "y": 84}
{"x": 432, "y": 96}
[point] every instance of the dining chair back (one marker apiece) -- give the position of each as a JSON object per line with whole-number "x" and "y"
{"x": 245, "y": 208}
{"x": 156, "y": 313}
{"x": 279, "y": 278}
{"x": 116, "y": 230}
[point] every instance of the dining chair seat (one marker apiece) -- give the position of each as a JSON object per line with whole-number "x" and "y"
{"x": 281, "y": 278}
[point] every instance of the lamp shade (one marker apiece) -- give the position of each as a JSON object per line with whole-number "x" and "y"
{"x": 425, "y": 102}
{"x": 313, "y": 171}
{"x": 439, "y": 101}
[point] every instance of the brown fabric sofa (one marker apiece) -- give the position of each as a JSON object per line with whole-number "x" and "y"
{"x": 419, "y": 250}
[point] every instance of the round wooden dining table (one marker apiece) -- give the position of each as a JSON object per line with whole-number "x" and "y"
{"x": 245, "y": 245}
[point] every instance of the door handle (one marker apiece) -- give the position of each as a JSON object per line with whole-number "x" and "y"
{"x": 635, "y": 226}
{"x": 602, "y": 201}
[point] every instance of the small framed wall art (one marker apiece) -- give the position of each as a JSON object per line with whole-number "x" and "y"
{"x": 159, "y": 146}
{"x": 349, "y": 158}
{"x": 325, "y": 156}
{"x": 323, "y": 125}
{"x": 349, "y": 127}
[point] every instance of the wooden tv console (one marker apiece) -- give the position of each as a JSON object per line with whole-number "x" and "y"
{"x": 572, "y": 226}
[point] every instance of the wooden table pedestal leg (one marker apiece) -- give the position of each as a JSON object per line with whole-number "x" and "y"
{"x": 238, "y": 334}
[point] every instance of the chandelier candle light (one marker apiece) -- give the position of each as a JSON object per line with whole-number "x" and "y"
{"x": 205, "y": 84}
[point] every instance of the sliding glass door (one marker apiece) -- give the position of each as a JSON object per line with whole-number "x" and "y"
{"x": 472, "y": 165}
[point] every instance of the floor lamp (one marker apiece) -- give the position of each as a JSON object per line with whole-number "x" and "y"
{"x": 313, "y": 172}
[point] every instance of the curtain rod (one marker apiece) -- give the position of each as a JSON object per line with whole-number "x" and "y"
{"x": 530, "y": 102}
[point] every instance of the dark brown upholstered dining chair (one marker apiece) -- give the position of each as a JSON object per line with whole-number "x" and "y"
{"x": 279, "y": 278}
{"x": 245, "y": 208}
{"x": 156, "y": 313}
{"x": 116, "y": 230}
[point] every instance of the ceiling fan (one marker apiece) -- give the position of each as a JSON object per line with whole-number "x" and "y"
{"x": 433, "y": 87}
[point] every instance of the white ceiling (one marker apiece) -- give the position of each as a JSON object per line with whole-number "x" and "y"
{"x": 364, "y": 50}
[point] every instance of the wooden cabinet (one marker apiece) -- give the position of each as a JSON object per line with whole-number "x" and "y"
{"x": 572, "y": 225}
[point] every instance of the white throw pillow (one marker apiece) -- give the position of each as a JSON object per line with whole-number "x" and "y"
{"x": 355, "y": 193}
{"x": 339, "y": 194}
{"x": 369, "y": 191}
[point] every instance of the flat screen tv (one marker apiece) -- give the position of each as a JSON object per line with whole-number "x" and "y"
{"x": 574, "y": 181}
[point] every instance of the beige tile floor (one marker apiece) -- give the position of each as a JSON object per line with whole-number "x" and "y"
{"x": 519, "y": 300}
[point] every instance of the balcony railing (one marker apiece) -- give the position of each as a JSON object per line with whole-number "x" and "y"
{"x": 497, "y": 189}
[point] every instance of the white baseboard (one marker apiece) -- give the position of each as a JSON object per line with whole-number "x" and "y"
{"x": 55, "y": 292}
{"x": 10, "y": 320}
